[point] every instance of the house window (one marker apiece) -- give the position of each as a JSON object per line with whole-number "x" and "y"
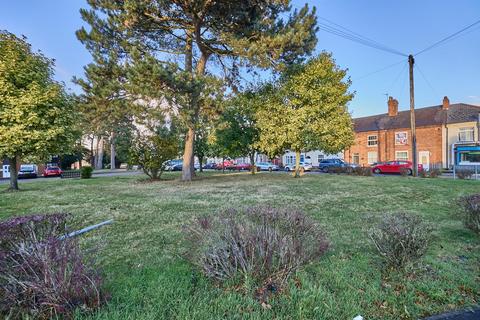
{"x": 372, "y": 157}
{"x": 466, "y": 134}
{"x": 401, "y": 155}
{"x": 320, "y": 157}
{"x": 290, "y": 159}
{"x": 400, "y": 138}
{"x": 356, "y": 158}
{"x": 372, "y": 140}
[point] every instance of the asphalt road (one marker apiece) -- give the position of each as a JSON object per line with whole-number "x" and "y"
{"x": 102, "y": 174}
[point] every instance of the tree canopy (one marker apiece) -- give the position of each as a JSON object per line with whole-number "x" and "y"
{"x": 36, "y": 114}
{"x": 307, "y": 110}
{"x": 169, "y": 43}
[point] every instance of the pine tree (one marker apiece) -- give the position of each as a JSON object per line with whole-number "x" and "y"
{"x": 170, "y": 43}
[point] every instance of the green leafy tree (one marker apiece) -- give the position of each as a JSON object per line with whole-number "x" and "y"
{"x": 151, "y": 151}
{"x": 170, "y": 44}
{"x": 307, "y": 110}
{"x": 36, "y": 115}
{"x": 237, "y": 130}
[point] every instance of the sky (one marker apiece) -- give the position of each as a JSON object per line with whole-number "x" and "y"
{"x": 408, "y": 26}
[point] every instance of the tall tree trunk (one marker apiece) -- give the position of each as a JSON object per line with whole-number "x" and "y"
{"x": 187, "y": 156}
{"x": 92, "y": 153}
{"x": 13, "y": 173}
{"x": 297, "y": 163}
{"x": 112, "y": 151}
{"x": 253, "y": 168}
{"x": 99, "y": 160}
{"x": 188, "y": 170}
{"x": 200, "y": 160}
{"x": 223, "y": 164}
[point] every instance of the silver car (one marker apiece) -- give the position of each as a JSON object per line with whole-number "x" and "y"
{"x": 267, "y": 166}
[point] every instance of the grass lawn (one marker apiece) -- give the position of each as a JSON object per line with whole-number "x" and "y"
{"x": 148, "y": 279}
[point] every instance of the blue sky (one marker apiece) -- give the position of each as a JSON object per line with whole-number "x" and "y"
{"x": 408, "y": 26}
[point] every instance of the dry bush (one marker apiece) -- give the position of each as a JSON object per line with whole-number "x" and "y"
{"x": 405, "y": 172}
{"x": 401, "y": 239}
{"x": 363, "y": 171}
{"x": 464, "y": 173}
{"x": 42, "y": 276}
{"x": 262, "y": 246}
{"x": 471, "y": 209}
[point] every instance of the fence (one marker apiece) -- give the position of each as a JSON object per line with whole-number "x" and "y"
{"x": 466, "y": 171}
{"x": 70, "y": 174}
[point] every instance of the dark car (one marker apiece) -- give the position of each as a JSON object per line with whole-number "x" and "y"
{"x": 326, "y": 164}
{"x": 210, "y": 165}
{"x": 27, "y": 171}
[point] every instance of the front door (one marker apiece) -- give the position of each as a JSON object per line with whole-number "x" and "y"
{"x": 6, "y": 171}
{"x": 424, "y": 159}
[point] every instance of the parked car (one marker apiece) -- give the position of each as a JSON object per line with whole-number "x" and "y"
{"x": 267, "y": 166}
{"x": 227, "y": 164}
{"x": 27, "y": 171}
{"x": 395, "y": 167}
{"x": 305, "y": 166}
{"x": 242, "y": 166}
{"x": 210, "y": 165}
{"x": 174, "y": 165}
{"x": 52, "y": 171}
{"x": 327, "y": 164}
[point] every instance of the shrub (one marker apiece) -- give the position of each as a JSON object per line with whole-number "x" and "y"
{"x": 86, "y": 172}
{"x": 405, "y": 172}
{"x": 42, "y": 276}
{"x": 153, "y": 151}
{"x": 471, "y": 208}
{"x": 258, "y": 245}
{"x": 434, "y": 173}
{"x": 423, "y": 173}
{"x": 401, "y": 239}
{"x": 339, "y": 170}
{"x": 464, "y": 173}
{"x": 363, "y": 171}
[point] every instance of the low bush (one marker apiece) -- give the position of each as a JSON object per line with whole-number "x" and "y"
{"x": 401, "y": 239}
{"x": 464, "y": 173}
{"x": 404, "y": 172}
{"x": 363, "y": 171}
{"x": 86, "y": 172}
{"x": 471, "y": 208}
{"x": 41, "y": 275}
{"x": 259, "y": 246}
{"x": 434, "y": 173}
{"x": 340, "y": 170}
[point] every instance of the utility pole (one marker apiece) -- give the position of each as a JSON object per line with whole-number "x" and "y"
{"x": 411, "y": 61}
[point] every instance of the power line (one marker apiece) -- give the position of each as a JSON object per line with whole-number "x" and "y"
{"x": 350, "y": 33}
{"x": 379, "y": 70}
{"x": 426, "y": 80}
{"x": 450, "y": 37}
{"x": 398, "y": 77}
{"x": 331, "y": 27}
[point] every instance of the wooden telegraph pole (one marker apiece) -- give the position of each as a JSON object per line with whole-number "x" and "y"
{"x": 411, "y": 61}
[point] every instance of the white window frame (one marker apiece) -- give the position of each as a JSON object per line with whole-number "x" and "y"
{"x": 464, "y": 131}
{"x": 290, "y": 159}
{"x": 369, "y": 157}
{"x": 397, "y": 143}
{"x": 372, "y": 142}
{"x": 401, "y": 159}
{"x": 356, "y": 154}
{"x": 320, "y": 157}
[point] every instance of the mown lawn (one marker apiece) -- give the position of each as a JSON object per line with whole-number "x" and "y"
{"x": 141, "y": 253}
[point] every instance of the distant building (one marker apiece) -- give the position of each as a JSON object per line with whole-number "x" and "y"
{"x": 447, "y": 134}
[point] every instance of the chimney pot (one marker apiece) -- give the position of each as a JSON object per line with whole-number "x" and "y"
{"x": 446, "y": 103}
{"x": 392, "y": 107}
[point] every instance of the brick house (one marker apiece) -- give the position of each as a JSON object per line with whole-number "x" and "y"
{"x": 387, "y": 136}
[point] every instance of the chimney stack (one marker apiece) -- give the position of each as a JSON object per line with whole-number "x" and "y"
{"x": 392, "y": 107}
{"x": 446, "y": 103}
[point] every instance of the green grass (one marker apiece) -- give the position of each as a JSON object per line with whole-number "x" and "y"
{"x": 148, "y": 279}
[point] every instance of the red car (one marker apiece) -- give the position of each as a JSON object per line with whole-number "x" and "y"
{"x": 395, "y": 167}
{"x": 227, "y": 164}
{"x": 52, "y": 171}
{"x": 242, "y": 166}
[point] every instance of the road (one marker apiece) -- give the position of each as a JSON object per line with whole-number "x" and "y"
{"x": 101, "y": 174}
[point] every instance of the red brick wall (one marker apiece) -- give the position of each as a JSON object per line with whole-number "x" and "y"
{"x": 428, "y": 139}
